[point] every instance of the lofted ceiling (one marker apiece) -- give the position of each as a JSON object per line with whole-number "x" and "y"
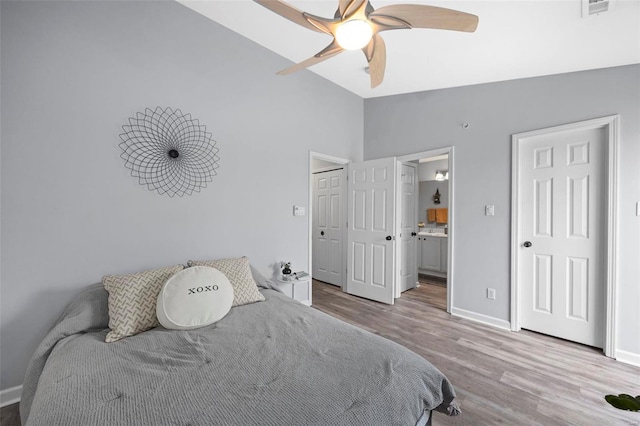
{"x": 515, "y": 39}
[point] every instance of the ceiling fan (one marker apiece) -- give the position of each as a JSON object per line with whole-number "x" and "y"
{"x": 356, "y": 25}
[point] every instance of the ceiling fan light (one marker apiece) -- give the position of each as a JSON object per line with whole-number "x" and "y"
{"x": 354, "y": 34}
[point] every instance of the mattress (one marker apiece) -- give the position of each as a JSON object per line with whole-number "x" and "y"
{"x": 275, "y": 362}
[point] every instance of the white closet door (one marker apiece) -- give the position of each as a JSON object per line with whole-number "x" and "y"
{"x": 328, "y": 226}
{"x": 562, "y": 278}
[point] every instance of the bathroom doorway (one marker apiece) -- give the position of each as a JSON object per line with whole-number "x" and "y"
{"x": 426, "y": 229}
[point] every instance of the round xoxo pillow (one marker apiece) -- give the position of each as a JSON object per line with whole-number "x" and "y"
{"x": 194, "y": 297}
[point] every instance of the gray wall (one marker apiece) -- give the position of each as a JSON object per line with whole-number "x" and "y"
{"x": 411, "y": 123}
{"x": 72, "y": 73}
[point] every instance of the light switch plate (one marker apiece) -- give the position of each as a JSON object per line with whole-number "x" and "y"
{"x": 298, "y": 211}
{"x": 637, "y": 208}
{"x": 491, "y": 293}
{"x": 489, "y": 210}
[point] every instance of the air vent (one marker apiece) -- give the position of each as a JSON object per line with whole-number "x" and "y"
{"x": 595, "y": 7}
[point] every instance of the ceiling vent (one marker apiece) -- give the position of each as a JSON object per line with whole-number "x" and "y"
{"x": 595, "y": 7}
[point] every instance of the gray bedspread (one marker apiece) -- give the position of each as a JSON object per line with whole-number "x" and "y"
{"x": 275, "y": 362}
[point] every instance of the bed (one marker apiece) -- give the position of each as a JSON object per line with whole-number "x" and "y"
{"x": 275, "y": 362}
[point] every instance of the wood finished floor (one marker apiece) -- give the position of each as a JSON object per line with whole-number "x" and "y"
{"x": 500, "y": 377}
{"x": 9, "y": 415}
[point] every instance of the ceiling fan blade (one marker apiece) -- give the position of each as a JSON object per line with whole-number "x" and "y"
{"x": 348, "y": 7}
{"x": 325, "y": 25}
{"x": 422, "y": 16}
{"x": 384, "y": 23}
{"x": 342, "y": 7}
{"x": 288, "y": 11}
{"x": 328, "y": 52}
{"x": 376, "y": 53}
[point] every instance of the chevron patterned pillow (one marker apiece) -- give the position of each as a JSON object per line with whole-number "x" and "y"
{"x": 132, "y": 301}
{"x": 238, "y": 271}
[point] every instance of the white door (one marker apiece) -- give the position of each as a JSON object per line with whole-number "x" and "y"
{"x": 408, "y": 225}
{"x": 370, "y": 232}
{"x": 328, "y": 226}
{"x": 561, "y": 252}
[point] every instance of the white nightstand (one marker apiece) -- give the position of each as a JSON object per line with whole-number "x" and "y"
{"x": 299, "y": 290}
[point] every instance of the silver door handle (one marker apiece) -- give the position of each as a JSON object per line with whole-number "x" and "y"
{"x": 527, "y": 244}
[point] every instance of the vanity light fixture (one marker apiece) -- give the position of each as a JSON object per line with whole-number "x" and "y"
{"x": 442, "y": 175}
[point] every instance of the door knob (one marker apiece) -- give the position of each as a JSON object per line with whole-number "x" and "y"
{"x": 527, "y": 244}
{"x": 389, "y": 238}
{"x": 413, "y": 234}
{"x": 321, "y": 232}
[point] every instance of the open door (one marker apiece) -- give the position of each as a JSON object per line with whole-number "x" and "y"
{"x": 408, "y": 194}
{"x": 371, "y": 241}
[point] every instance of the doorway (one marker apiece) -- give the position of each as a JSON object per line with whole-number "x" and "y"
{"x": 433, "y": 226}
{"x": 425, "y": 252}
{"x": 327, "y": 218}
{"x": 563, "y": 221}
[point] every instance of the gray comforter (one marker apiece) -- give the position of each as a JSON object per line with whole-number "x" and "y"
{"x": 275, "y": 362}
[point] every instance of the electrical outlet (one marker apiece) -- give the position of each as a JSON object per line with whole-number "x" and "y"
{"x": 491, "y": 293}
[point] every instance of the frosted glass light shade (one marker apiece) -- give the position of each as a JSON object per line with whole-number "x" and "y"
{"x": 442, "y": 175}
{"x": 354, "y": 34}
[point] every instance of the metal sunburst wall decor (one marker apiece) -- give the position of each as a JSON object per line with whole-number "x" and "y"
{"x": 169, "y": 151}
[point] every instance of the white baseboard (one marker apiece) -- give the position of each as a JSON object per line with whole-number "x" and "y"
{"x": 10, "y": 396}
{"x": 484, "y": 319}
{"x": 628, "y": 357}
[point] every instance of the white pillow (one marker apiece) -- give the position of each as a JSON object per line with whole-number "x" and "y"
{"x": 193, "y": 298}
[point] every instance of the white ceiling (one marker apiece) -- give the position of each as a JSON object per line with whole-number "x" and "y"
{"x": 515, "y": 39}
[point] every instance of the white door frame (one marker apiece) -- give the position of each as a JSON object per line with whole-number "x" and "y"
{"x": 611, "y": 124}
{"x": 449, "y": 150}
{"x": 338, "y": 160}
